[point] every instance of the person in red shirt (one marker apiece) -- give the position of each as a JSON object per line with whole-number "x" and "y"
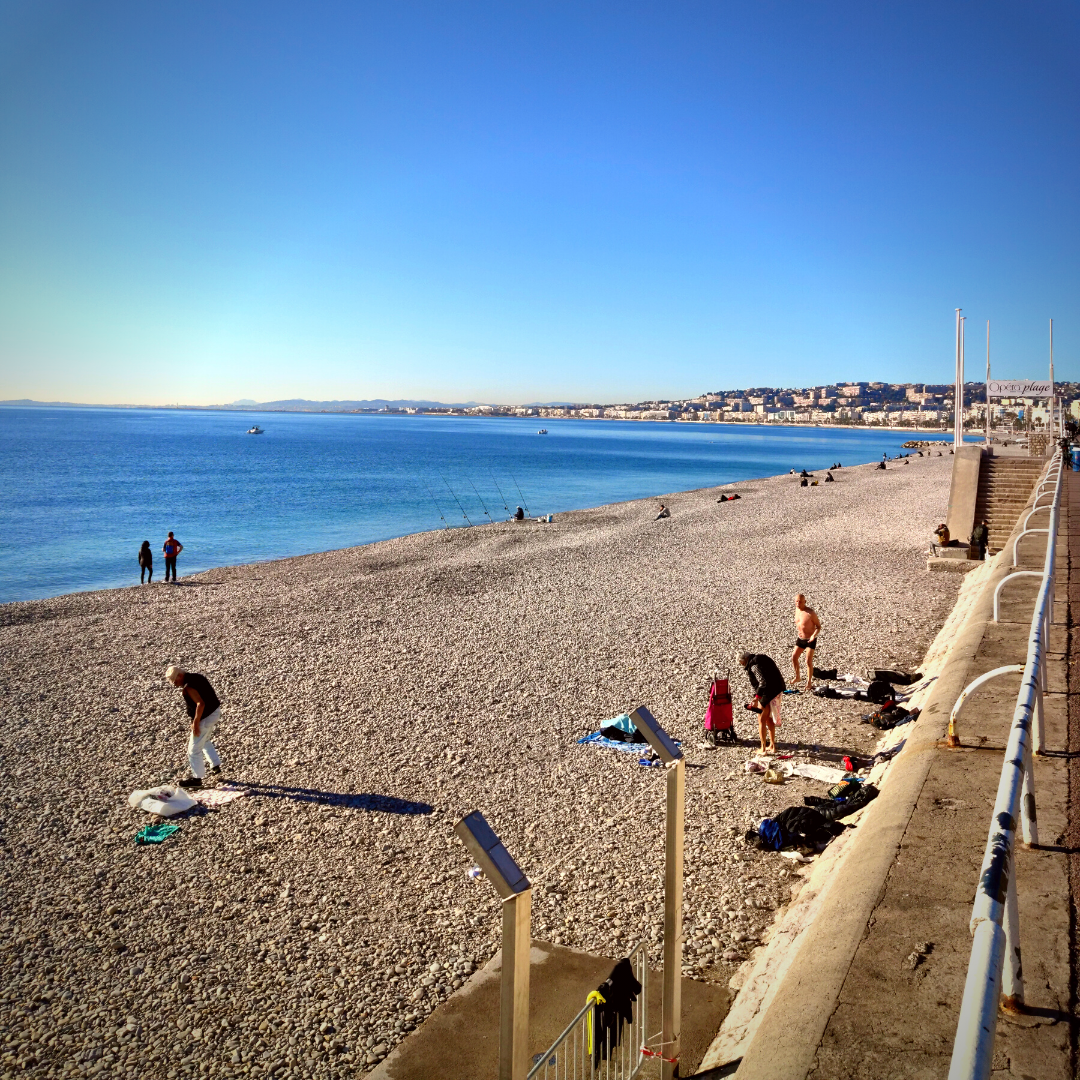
{"x": 170, "y": 549}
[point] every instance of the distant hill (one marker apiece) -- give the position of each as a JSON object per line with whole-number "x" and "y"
{"x": 247, "y": 405}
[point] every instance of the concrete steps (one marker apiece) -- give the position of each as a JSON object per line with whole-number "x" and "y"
{"x": 1005, "y": 486}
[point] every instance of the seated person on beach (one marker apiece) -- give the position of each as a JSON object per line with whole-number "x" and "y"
{"x": 804, "y": 473}
{"x": 804, "y": 482}
{"x": 829, "y": 478}
{"x": 768, "y": 686}
{"x": 664, "y": 512}
{"x": 942, "y": 534}
{"x": 881, "y": 464}
{"x": 519, "y": 514}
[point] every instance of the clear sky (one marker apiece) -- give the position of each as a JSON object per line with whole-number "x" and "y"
{"x": 510, "y": 201}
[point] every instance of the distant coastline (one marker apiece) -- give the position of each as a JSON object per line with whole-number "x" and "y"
{"x": 454, "y": 411}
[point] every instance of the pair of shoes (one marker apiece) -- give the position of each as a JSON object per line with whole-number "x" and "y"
{"x": 191, "y": 783}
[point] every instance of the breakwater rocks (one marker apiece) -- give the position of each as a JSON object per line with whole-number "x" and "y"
{"x": 372, "y": 696}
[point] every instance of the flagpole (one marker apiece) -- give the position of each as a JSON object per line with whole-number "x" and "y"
{"x": 1052, "y": 401}
{"x": 987, "y": 382}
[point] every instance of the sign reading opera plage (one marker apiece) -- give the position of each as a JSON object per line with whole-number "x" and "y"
{"x": 1018, "y": 388}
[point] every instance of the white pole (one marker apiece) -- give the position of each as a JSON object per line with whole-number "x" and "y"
{"x": 957, "y": 392}
{"x": 1051, "y": 380}
{"x": 987, "y": 382}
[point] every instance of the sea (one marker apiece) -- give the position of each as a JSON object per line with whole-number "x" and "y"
{"x": 83, "y": 487}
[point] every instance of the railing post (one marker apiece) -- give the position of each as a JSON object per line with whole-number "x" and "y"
{"x": 671, "y": 1037}
{"x": 1027, "y": 799}
{"x": 973, "y": 1048}
{"x": 1012, "y": 975}
{"x": 1039, "y": 720}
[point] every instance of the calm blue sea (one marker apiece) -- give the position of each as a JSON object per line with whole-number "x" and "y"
{"x": 82, "y": 488}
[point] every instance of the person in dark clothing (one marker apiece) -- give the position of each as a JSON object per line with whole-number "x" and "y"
{"x": 614, "y": 1000}
{"x": 204, "y": 708}
{"x": 170, "y": 549}
{"x": 146, "y": 562}
{"x": 519, "y": 514}
{"x": 980, "y": 537}
{"x": 768, "y": 686}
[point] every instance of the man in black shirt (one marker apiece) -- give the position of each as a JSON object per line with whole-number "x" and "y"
{"x": 769, "y": 686}
{"x": 203, "y": 707}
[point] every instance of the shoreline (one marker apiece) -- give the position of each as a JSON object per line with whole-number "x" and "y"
{"x": 423, "y": 532}
{"x": 373, "y": 695}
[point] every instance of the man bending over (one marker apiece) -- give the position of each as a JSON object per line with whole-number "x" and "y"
{"x": 204, "y": 710}
{"x": 768, "y": 685}
{"x": 807, "y": 627}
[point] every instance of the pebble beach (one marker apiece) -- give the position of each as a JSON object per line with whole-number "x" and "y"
{"x": 371, "y": 697}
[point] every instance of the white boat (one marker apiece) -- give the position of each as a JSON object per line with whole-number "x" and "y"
{"x": 542, "y": 431}
{"x": 255, "y": 430}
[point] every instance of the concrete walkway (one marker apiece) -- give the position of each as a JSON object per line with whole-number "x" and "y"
{"x": 875, "y": 988}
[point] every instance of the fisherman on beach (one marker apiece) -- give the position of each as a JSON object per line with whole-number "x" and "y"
{"x": 170, "y": 549}
{"x": 768, "y": 686}
{"x": 807, "y": 628}
{"x": 203, "y": 707}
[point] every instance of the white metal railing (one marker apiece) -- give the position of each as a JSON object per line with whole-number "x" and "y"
{"x": 579, "y": 1052}
{"x": 994, "y": 976}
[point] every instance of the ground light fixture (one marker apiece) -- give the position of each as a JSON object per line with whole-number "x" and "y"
{"x": 672, "y": 757}
{"x": 513, "y": 886}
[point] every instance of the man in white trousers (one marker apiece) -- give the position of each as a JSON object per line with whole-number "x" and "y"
{"x": 203, "y": 707}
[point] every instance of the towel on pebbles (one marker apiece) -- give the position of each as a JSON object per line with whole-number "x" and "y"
{"x": 218, "y": 796}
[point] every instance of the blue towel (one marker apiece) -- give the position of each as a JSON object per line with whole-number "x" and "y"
{"x": 611, "y": 744}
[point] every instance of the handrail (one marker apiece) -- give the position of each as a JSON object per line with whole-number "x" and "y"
{"x": 1034, "y": 509}
{"x": 995, "y": 923}
{"x": 953, "y": 740}
{"x": 1005, "y": 581}
{"x": 1026, "y": 532}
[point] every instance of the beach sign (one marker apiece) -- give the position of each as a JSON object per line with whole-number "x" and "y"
{"x": 1021, "y": 388}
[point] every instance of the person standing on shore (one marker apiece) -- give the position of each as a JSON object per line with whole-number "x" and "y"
{"x": 807, "y": 627}
{"x": 146, "y": 562}
{"x": 170, "y": 549}
{"x": 203, "y": 707}
{"x": 768, "y": 686}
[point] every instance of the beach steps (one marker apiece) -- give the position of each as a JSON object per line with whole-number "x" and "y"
{"x": 1004, "y": 488}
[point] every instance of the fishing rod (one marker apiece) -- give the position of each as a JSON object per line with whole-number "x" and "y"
{"x": 501, "y": 495}
{"x": 456, "y": 499}
{"x": 522, "y": 497}
{"x": 437, "y": 510}
{"x": 481, "y": 498}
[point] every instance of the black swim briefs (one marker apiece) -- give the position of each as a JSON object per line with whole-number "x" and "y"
{"x": 802, "y": 643}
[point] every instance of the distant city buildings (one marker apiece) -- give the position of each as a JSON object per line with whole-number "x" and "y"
{"x": 915, "y": 406}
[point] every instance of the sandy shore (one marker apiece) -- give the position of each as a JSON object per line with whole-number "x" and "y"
{"x": 373, "y": 695}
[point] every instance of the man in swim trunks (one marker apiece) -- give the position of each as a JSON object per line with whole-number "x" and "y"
{"x": 768, "y": 686}
{"x": 807, "y": 628}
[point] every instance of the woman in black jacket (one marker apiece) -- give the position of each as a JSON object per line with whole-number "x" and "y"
{"x": 146, "y": 562}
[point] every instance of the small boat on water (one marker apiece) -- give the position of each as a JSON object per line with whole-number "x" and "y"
{"x": 542, "y": 431}
{"x": 255, "y": 430}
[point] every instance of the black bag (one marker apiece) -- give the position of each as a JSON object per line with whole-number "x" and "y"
{"x": 825, "y": 673}
{"x": 618, "y": 735}
{"x": 879, "y": 692}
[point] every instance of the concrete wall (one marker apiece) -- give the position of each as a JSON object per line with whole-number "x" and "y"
{"x": 964, "y": 491}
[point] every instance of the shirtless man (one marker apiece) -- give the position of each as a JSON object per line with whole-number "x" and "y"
{"x": 807, "y": 628}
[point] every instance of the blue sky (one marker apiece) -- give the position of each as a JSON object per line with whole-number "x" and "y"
{"x": 512, "y": 202}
